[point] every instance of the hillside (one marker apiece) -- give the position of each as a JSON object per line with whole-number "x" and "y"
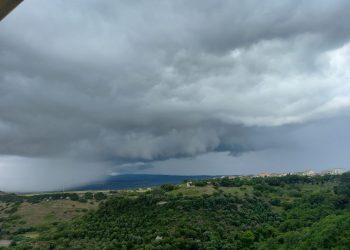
{"x": 291, "y": 212}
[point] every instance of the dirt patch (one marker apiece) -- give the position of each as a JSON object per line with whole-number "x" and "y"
{"x": 5, "y": 243}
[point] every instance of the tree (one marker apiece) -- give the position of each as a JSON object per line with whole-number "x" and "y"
{"x": 167, "y": 187}
{"x": 88, "y": 196}
{"x": 247, "y": 238}
{"x": 344, "y": 185}
{"x": 100, "y": 196}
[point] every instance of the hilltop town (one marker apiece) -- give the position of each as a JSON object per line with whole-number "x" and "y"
{"x": 333, "y": 171}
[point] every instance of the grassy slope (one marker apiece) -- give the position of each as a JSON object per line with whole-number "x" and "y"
{"x": 26, "y": 216}
{"x": 51, "y": 211}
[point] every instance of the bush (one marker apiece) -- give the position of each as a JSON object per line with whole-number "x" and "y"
{"x": 88, "y": 196}
{"x": 100, "y": 196}
{"x": 200, "y": 183}
{"x": 168, "y": 187}
{"x": 275, "y": 202}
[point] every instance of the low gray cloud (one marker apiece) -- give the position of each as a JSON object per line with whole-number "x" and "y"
{"x": 21, "y": 174}
{"x": 121, "y": 82}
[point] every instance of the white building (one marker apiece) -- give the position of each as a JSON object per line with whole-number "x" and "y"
{"x": 335, "y": 171}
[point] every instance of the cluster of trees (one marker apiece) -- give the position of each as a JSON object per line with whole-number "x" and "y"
{"x": 277, "y": 214}
{"x": 272, "y": 181}
{"x": 168, "y": 187}
{"x": 158, "y": 221}
{"x": 13, "y": 198}
{"x": 10, "y": 198}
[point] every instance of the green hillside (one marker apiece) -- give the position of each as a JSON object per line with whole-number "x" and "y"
{"x": 291, "y": 212}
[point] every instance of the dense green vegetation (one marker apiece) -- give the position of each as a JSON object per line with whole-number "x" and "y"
{"x": 291, "y": 212}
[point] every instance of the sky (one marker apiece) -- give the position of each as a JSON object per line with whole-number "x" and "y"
{"x": 90, "y": 88}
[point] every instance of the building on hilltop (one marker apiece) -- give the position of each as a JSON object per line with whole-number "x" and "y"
{"x": 334, "y": 171}
{"x": 264, "y": 174}
{"x": 308, "y": 173}
{"x": 189, "y": 184}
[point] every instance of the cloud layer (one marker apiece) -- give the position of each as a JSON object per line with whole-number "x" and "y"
{"x": 131, "y": 81}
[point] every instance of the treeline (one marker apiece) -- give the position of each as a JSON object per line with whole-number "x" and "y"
{"x": 272, "y": 181}
{"x": 13, "y": 198}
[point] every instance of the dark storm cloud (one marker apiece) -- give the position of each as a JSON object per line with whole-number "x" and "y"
{"x": 130, "y": 81}
{"x": 315, "y": 146}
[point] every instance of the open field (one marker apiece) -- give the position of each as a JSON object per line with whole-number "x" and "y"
{"x": 51, "y": 211}
{"x": 23, "y": 215}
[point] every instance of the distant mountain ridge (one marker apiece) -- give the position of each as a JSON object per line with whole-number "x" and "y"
{"x": 128, "y": 181}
